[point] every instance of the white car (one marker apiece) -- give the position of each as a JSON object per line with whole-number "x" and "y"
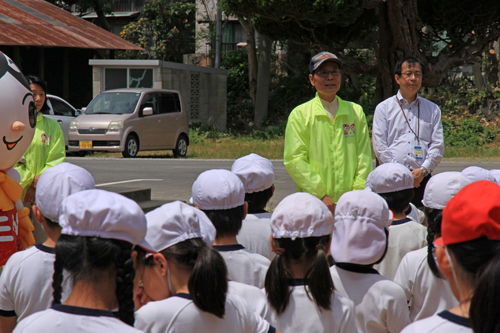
{"x": 63, "y": 112}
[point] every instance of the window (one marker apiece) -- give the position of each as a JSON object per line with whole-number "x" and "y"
{"x": 61, "y": 108}
{"x": 140, "y": 78}
{"x": 151, "y": 101}
{"x": 169, "y": 103}
{"x": 117, "y": 78}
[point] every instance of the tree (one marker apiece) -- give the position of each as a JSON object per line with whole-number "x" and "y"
{"x": 164, "y": 29}
{"x": 101, "y": 8}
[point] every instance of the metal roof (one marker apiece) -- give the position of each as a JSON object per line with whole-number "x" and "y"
{"x": 39, "y": 23}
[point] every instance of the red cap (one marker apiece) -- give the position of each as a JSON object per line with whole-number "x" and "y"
{"x": 473, "y": 213}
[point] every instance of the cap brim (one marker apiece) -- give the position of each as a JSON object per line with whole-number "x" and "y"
{"x": 439, "y": 242}
{"x": 337, "y": 61}
{"x": 146, "y": 247}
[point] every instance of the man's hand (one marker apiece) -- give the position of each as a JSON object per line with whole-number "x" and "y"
{"x": 30, "y": 195}
{"x": 329, "y": 203}
{"x": 418, "y": 176}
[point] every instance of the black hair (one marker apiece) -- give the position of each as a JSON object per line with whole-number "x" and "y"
{"x": 433, "y": 217}
{"x": 92, "y": 259}
{"x": 208, "y": 281}
{"x": 398, "y": 201}
{"x": 411, "y": 61}
{"x": 36, "y": 80}
{"x": 51, "y": 224}
{"x": 257, "y": 201}
{"x": 317, "y": 278}
{"x": 227, "y": 222}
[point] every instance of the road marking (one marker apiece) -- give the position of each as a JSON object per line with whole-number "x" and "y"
{"x": 130, "y": 181}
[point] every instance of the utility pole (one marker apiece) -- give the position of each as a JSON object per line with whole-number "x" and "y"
{"x": 218, "y": 37}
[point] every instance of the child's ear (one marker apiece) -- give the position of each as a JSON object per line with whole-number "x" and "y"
{"x": 245, "y": 210}
{"x": 273, "y": 245}
{"x": 272, "y": 191}
{"x": 444, "y": 262}
{"x": 38, "y": 215}
{"x": 161, "y": 263}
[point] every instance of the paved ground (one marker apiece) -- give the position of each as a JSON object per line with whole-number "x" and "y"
{"x": 171, "y": 179}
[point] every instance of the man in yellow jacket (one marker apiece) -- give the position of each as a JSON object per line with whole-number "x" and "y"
{"x": 327, "y": 144}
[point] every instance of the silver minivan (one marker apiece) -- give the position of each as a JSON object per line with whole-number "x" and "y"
{"x": 129, "y": 120}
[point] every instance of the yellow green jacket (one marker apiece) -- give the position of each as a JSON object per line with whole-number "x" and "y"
{"x": 325, "y": 157}
{"x": 46, "y": 150}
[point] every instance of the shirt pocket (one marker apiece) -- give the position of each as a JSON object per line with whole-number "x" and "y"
{"x": 426, "y": 132}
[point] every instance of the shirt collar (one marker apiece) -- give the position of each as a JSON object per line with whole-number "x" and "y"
{"x": 319, "y": 110}
{"x": 328, "y": 104}
{"x": 39, "y": 117}
{"x": 401, "y": 98}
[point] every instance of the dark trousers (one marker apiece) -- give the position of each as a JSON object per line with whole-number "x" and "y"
{"x": 419, "y": 192}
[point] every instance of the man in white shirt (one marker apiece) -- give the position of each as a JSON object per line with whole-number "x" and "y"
{"x": 407, "y": 128}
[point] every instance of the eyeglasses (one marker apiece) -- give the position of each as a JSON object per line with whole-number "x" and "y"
{"x": 326, "y": 74}
{"x": 408, "y": 75}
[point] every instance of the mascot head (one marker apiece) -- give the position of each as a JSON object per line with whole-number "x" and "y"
{"x": 17, "y": 111}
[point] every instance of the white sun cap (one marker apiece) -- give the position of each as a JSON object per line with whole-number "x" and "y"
{"x": 58, "y": 182}
{"x": 301, "y": 215}
{"x": 255, "y": 171}
{"x": 360, "y": 220}
{"x": 218, "y": 189}
{"x": 442, "y": 187}
{"x": 104, "y": 214}
{"x": 176, "y": 222}
{"x": 389, "y": 177}
{"x": 496, "y": 174}
{"x": 475, "y": 173}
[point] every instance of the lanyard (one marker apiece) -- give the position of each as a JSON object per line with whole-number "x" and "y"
{"x": 418, "y": 128}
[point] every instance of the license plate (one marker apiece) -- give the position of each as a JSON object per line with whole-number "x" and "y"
{"x": 85, "y": 144}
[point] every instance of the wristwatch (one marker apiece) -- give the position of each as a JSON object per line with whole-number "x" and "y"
{"x": 424, "y": 170}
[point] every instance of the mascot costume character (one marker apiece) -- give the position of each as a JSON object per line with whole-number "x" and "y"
{"x": 18, "y": 114}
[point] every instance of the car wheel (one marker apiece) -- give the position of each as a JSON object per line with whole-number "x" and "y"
{"x": 131, "y": 146}
{"x": 181, "y": 147}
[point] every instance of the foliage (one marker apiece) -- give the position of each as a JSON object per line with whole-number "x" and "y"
{"x": 467, "y": 132}
{"x": 83, "y": 6}
{"x": 164, "y": 29}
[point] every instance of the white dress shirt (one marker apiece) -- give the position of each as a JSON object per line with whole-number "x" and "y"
{"x": 394, "y": 140}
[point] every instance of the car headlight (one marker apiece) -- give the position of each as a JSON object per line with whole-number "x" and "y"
{"x": 115, "y": 126}
{"x": 73, "y": 126}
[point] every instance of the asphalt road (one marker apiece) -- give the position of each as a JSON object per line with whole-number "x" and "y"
{"x": 171, "y": 179}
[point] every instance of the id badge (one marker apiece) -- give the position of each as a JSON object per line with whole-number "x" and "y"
{"x": 418, "y": 153}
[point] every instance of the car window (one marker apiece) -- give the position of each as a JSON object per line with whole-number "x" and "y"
{"x": 151, "y": 101}
{"x": 61, "y": 108}
{"x": 113, "y": 103}
{"x": 168, "y": 103}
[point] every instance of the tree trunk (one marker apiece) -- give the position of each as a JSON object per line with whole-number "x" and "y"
{"x": 263, "y": 79}
{"x": 252, "y": 56}
{"x": 478, "y": 76}
{"x": 101, "y": 16}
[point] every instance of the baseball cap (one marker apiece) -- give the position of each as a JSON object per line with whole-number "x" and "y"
{"x": 475, "y": 173}
{"x": 104, "y": 214}
{"x": 320, "y": 58}
{"x": 473, "y": 213}
{"x": 218, "y": 189}
{"x": 57, "y": 183}
{"x": 389, "y": 177}
{"x": 496, "y": 174}
{"x": 255, "y": 171}
{"x": 360, "y": 219}
{"x": 442, "y": 187}
{"x": 301, "y": 215}
{"x": 176, "y": 222}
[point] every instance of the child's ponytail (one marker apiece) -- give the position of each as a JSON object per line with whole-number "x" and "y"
{"x": 318, "y": 277}
{"x": 433, "y": 229}
{"x": 276, "y": 284}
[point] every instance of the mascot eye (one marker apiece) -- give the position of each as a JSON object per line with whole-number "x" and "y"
{"x": 32, "y": 114}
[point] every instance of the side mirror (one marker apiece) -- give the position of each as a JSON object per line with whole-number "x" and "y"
{"x": 77, "y": 113}
{"x": 147, "y": 111}
{"x": 82, "y": 110}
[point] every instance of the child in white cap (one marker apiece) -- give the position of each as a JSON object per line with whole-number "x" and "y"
{"x": 358, "y": 242}
{"x": 475, "y": 174}
{"x": 427, "y": 290}
{"x": 468, "y": 256}
{"x": 257, "y": 175}
{"x": 221, "y": 196}
{"x": 25, "y": 283}
{"x": 98, "y": 249}
{"x": 496, "y": 174}
{"x": 394, "y": 183}
{"x": 188, "y": 280}
{"x": 299, "y": 288}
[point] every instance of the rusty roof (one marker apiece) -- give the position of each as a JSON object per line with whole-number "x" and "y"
{"x": 39, "y": 23}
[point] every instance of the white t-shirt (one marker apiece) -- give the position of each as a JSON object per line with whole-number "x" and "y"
{"x": 303, "y": 315}
{"x": 415, "y": 214}
{"x": 255, "y": 298}
{"x": 26, "y": 282}
{"x": 179, "y": 314}
{"x": 244, "y": 265}
{"x": 254, "y": 234}
{"x": 404, "y": 236}
{"x": 426, "y": 294}
{"x": 380, "y": 304}
{"x": 443, "y": 322}
{"x": 65, "y": 319}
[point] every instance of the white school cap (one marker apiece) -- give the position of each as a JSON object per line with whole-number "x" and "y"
{"x": 218, "y": 189}
{"x": 496, "y": 175}
{"x": 176, "y": 222}
{"x": 301, "y": 215}
{"x": 475, "y": 173}
{"x": 104, "y": 214}
{"x": 360, "y": 220}
{"x": 57, "y": 183}
{"x": 442, "y": 187}
{"x": 255, "y": 171}
{"x": 389, "y": 177}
